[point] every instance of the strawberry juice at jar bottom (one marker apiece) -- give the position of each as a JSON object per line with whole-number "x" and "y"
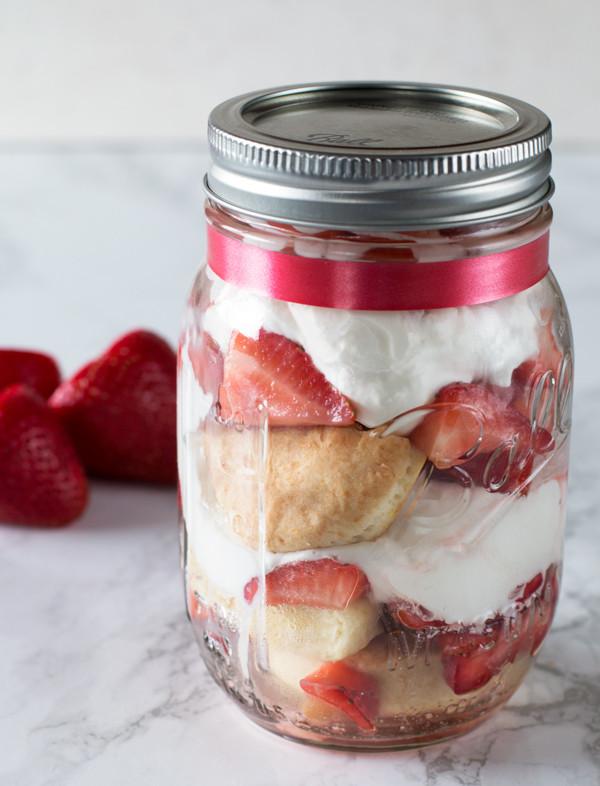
{"x": 375, "y": 380}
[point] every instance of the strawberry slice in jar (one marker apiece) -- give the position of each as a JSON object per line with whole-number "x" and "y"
{"x": 471, "y": 657}
{"x": 528, "y": 376}
{"x": 544, "y": 608}
{"x": 324, "y": 583}
{"x": 275, "y": 374}
{"x": 347, "y": 689}
{"x": 475, "y": 428}
{"x": 207, "y": 361}
{"x": 467, "y": 419}
{"x": 411, "y": 615}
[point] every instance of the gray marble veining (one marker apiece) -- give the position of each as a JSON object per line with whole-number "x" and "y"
{"x": 101, "y": 680}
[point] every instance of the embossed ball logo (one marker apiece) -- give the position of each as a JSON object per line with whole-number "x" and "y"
{"x": 342, "y": 139}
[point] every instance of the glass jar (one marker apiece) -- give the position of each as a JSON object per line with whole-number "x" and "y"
{"x": 374, "y": 413}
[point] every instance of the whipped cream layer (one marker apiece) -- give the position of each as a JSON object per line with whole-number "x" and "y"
{"x": 388, "y": 362}
{"x": 460, "y": 554}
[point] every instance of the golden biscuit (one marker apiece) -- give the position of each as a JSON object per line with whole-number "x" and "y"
{"x": 290, "y": 667}
{"x": 323, "y": 634}
{"x": 323, "y": 485}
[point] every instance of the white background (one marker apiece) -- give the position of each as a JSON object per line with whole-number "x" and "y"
{"x": 122, "y": 70}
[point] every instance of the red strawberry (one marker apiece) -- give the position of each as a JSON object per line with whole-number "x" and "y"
{"x": 543, "y": 441}
{"x": 527, "y": 376}
{"x": 322, "y": 583}
{"x": 207, "y": 362}
{"x": 502, "y": 471}
{"x": 507, "y": 470}
{"x": 543, "y": 610}
{"x": 525, "y": 591}
{"x": 390, "y": 253}
{"x": 276, "y": 373}
{"x": 468, "y": 419}
{"x": 120, "y": 410}
{"x": 199, "y": 610}
{"x": 41, "y": 479}
{"x": 34, "y": 369}
{"x": 412, "y": 615}
{"x": 470, "y": 659}
{"x": 196, "y": 609}
{"x": 351, "y": 691}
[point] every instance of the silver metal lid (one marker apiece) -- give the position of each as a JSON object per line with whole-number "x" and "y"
{"x": 379, "y": 155}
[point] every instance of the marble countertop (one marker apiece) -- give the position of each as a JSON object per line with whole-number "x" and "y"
{"x": 101, "y": 678}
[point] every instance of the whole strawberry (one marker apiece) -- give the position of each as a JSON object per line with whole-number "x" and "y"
{"x": 120, "y": 410}
{"x": 34, "y": 369}
{"x": 41, "y": 478}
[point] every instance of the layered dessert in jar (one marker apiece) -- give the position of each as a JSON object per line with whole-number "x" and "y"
{"x": 373, "y": 499}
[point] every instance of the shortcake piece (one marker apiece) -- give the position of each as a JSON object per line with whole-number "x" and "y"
{"x": 323, "y": 634}
{"x": 323, "y": 486}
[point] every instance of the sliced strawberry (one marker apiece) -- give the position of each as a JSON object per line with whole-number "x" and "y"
{"x": 473, "y": 666}
{"x": 448, "y": 435}
{"x": 470, "y": 659}
{"x": 120, "y": 410}
{"x": 322, "y": 583}
{"x": 468, "y": 419}
{"x": 250, "y": 589}
{"x": 390, "y": 253}
{"x": 505, "y": 394}
{"x": 543, "y": 441}
{"x": 534, "y": 396}
{"x": 41, "y": 479}
{"x": 501, "y": 471}
{"x": 543, "y": 610}
{"x": 523, "y": 381}
{"x": 34, "y": 369}
{"x": 525, "y": 591}
{"x": 277, "y": 374}
{"x": 196, "y": 609}
{"x": 351, "y": 691}
{"x": 412, "y": 615}
{"x": 528, "y": 376}
{"x": 207, "y": 361}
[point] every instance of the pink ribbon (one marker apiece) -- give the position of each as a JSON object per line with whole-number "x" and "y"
{"x": 377, "y": 286}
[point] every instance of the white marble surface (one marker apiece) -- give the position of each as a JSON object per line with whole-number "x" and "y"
{"x": 101, "y": 680}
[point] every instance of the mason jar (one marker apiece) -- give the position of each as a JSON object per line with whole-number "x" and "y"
{"x": 374, "y": 410}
